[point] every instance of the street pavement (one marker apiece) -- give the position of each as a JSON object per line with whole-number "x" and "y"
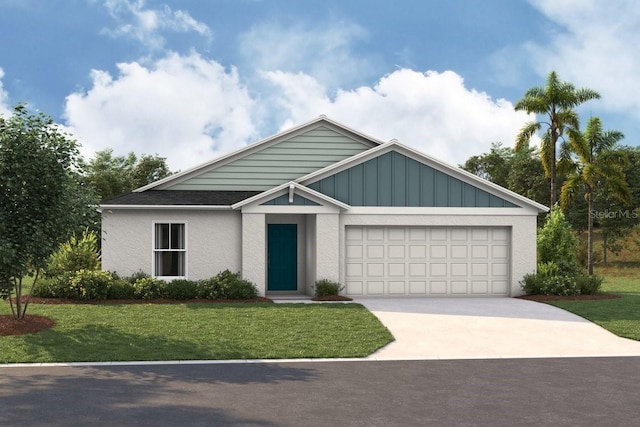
{"x": 496, "y": 392}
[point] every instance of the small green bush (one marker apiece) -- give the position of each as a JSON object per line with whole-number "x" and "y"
{"x": 74, "y": 255}
{"x": 181, "y": 289}
{"x": 83, "y": 285}
{"x": 137, "y": 276}
{"x": 121, "y": 289}
{"x": 550, "y": 280}
{"x": 53, "y": 287}
{"x": 589, "y": 285}
{"x": 226, "y": 285}
{"x": 86, "y": 285}
{"x": 207, "y": 288}
{"x": 149, "y": 288}
{"x": 326, "y": 287}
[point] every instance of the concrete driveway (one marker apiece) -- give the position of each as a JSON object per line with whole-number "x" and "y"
{"x": 486, "y": 328}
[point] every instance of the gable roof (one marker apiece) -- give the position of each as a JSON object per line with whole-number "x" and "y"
{"x": 292, "y": 188}
{"x": 459, "y": 174}
{"x": 233, "y": 169}
{"x": 179, "y": 198}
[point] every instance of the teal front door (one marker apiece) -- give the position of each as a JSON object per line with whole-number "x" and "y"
{"x": 282, "y": 257}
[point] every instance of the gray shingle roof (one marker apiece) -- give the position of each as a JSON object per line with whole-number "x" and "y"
{"x": 179, "y": 197}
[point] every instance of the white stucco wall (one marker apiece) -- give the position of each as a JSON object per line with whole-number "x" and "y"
{"x": 328, "y": 251}
{"x": 523, "y": 234}
{"x": 213, "y": 240}
{"x": 254, "y": 250}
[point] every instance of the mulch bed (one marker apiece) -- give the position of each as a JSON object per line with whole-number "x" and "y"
{"x": 31, "y": 323}
{"x": 543, "y": 298}
{"x": 332, "y": 298}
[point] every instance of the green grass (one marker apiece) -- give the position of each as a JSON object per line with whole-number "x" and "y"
{"x": 137, "y": 332}
{"x": 620, "y": 316}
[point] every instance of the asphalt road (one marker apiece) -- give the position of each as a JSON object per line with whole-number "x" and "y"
{"x": 497, "y": 392}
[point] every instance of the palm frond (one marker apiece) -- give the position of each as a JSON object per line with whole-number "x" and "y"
{"x": 525, "y": 134}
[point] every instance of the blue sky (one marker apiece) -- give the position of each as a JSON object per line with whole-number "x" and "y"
{"x": 193, "y": 79}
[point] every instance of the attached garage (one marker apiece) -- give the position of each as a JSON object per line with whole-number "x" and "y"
{"x": 427, "y": 261}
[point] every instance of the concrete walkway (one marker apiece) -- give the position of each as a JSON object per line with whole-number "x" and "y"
{"x": 487, "y": 328}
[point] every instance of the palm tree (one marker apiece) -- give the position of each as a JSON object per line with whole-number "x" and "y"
{"x": 556, "y": 102}
{"x": 596, "y": 161}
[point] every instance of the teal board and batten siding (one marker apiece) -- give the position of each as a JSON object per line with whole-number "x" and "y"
{"x": 278, "y": 163}
{"x": 393, "y": 179}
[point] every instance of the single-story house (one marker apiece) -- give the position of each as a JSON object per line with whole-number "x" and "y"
{"x": 323, "y": 201}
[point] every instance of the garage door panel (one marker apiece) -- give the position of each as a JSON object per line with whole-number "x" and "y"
{"x": 430, "y": 261}
{"x": 417, "y": 287}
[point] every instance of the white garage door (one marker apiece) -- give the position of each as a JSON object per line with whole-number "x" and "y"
{"x": 427, "y": 261}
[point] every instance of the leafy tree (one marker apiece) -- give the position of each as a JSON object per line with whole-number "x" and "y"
{"x": 149, "y": 169}
{"x": 111, "y": 175}
{"x": 520, "y": 172}
{"x": 597, "y": 161}
{"x": 615, "y": 217}
{"x": 556, "y": 102}
{"x": 42, "y": 201}
{"x": 493, "y": 166}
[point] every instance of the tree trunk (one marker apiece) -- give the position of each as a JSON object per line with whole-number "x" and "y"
{"x": 590, "y": 234}
{"x": 604, "y": 249}
{"x": 552, "y": 166}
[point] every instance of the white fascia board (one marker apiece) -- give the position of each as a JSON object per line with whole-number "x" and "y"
{"x": 251, "y": 148}
{"x": 166, "y": 207}
{"x": 288, "y": 187}
{"x": 291, "y": 209}
{"x": 446, "y": 168}
{"x": 444, "y": 212}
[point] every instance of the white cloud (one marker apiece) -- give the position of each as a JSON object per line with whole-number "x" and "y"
{"x": 5, "y": 109}
{"x": 324, "y": 51}
{"x": 145, "y": 25}
{"x": 433, "y": 112}
{"x": 598, "y": 47}
{"x": 185, "y": 108}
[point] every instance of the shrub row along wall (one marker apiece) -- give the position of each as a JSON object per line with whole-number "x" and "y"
{"x": 87, "y": 285}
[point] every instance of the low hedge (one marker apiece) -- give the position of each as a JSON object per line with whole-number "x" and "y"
{"x": 86, "y": 285}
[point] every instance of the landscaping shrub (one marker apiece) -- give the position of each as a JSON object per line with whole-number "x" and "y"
{"x": 83, "y": 285}
{"x": 121, "y": 289}
{"x": 149, "y": 288}
{"x": 226, "y": 285}
{"x": 137, "y": 276}
{"x": 181, "y": 289}
{"x": 53, "y": 287}
{"x": 557, "y": 243}
{"x": 86, "y": 285}
{"x": 326, "y": 287}
{"x": 74, "y": 255}
{"x": 589, "y": 285}
{"x": 551, "y": 280}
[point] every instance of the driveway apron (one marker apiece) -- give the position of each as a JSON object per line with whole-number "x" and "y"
{"x": 485, "y": 328}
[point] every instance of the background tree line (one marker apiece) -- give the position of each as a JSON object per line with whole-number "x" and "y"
{"x": 596, "y": 179}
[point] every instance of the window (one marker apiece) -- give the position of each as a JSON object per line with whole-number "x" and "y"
{"x": 169, "y": 250}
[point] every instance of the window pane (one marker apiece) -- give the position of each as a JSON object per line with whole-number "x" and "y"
{"x": 177, "y": 236}
{"x": 170, "y": 263}
{"x": 162, "y": 236}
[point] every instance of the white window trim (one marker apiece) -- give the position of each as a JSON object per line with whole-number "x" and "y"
{"x": 185, "y": 250}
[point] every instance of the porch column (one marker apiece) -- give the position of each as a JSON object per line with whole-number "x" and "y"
{"x": 328, "y": 246}
{"x": 254, "y": 249}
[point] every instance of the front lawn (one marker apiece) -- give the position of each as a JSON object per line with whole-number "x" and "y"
{"x": 621, "y": 315}
{"x": 195, "y": 331}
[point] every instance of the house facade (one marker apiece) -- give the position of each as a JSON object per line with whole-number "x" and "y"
{"x": 323, "y": 201}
